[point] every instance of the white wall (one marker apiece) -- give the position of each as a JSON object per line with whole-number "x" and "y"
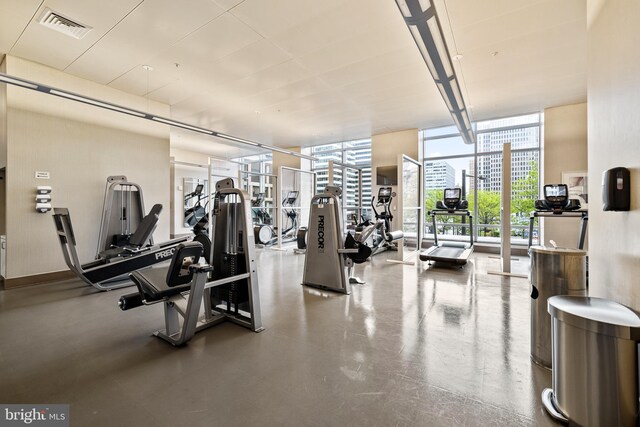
{"x": 80, "y": 145}
{"x": 565, "y": 150}
{"x": 614, "y": 140}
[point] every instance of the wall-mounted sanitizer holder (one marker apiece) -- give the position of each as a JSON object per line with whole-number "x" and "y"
{"x": 616, "y": 189}
{"x": 43, "y": 198}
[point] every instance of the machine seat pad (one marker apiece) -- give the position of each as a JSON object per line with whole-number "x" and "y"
{"x": 152, "y": 283}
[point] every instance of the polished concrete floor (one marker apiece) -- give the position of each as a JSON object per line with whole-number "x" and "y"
{"x": 413, "y": 346}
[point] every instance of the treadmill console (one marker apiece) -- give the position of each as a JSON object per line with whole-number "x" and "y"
{"x": 198, "y": 190}
{"x": 452, "y": 200}
{"x": 556, "y": 198}
{"x": 452, "y": 197}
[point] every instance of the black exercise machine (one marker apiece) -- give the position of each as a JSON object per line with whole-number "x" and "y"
{"x": 451, "y": 252}
{"x": 557, "y": 204}
{"x": 379, "y": 235}
{"x": 110, "y": 269}
{"x": 228, "y": 285}
{"x": 194, "y": 213}
{"x": 265, "y": 234}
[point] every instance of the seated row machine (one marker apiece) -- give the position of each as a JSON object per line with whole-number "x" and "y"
{"x": 330, "y": 256}
{"x": 196, "y": 297}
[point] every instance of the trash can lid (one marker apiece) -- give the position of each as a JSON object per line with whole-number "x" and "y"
{"x": 596, "y": 315}
{"x": 557, "y": 251}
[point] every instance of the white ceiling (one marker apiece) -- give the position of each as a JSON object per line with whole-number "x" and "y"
{"x": 304, "y": 72}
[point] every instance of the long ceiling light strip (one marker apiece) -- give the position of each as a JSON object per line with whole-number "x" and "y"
{"x": 422, "y": 19}
{"x": 17, "y": 81}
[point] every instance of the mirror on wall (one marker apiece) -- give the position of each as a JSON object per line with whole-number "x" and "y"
{"x": 195, "y": 192}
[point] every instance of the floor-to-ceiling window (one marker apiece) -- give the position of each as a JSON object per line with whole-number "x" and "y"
{"x": 350, "y": 157}
{"x": 254, "y": 171}
{"x": 477, "y": 169}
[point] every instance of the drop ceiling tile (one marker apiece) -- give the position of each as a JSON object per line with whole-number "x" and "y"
{"x": 472, "y": 12}
{"x": 529, "y": 20}
{"x": 47, "y": 46}
{"x": 141, "y": 82}
{"x": 355, "y": 49}
{"x": 292, "y": 91}
{"x": 247, "y": 61}
{"x": 374, "y": 66}
{"x": 14, "y": 19}
{"x": 271, "y": 78}
{"x": 206, "y": 46}
{"x": 148, "y": 30}
{"x": 227, "y": 4}
{"x": 271, "y": 17}
{"x": 349, "y": 20}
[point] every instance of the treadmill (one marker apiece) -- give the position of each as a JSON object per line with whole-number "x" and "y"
{"x": 450, "y": 252}
{"x": 557, "y": 204}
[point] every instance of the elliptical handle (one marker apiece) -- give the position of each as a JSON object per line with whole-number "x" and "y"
{"x": 373, "y": 206}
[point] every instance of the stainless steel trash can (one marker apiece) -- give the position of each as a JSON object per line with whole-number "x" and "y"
{"x": 595, "y": 362}
{"x": 554, "y": 271}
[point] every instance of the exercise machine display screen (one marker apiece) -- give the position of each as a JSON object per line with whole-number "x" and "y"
{"x": 292, "y": 196}
{"x": 384, "y": 193}
{"x": 198, "y": 190}
{"x": 452, "y": 193}
{"x": 556, "y": 193}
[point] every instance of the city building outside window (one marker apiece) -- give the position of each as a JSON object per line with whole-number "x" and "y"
{"x": 477, "y": 169}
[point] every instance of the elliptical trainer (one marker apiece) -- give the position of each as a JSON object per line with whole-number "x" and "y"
{"x": 194, "y": 213}
{"x": 378, "y": 235}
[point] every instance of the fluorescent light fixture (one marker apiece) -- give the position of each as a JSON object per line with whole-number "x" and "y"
{"x": 467, "y": 124}
{"x": 404, "y": 9}
{"x": 95, "y": 102}
{"x": 438, "y": 40}
{"x": 236, "y": 139}
{"x": 455, "y": 88}
{"x": 18, "y": 82}
{"x": 422, "y": 19}
{"x": 446, "y": 98}
{"x": 425, "y": 4}
{"x": 181, "y": 125}
{"x": 417, "y": 37}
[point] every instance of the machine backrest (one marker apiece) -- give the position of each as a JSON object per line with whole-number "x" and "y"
{"x": 185, "y": 255}
{"x": 62, "y": 219}
{"x": 146, "y": 227}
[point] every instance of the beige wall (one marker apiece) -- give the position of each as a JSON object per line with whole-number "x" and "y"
{"x": 3, "y": 116}
{"x": 565, "y": 150}
{"x": 614, "y": 140}
{"x": 281, "y": 159}
{"x": 385, "y": 149}
{"x": 79, "y": 145}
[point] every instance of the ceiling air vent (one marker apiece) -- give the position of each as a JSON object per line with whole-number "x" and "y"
{"x": 60, "y": 23}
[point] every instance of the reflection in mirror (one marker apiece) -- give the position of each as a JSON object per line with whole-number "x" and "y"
{"x": 195, "y": 192}
{"x": 410, "y": 206}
